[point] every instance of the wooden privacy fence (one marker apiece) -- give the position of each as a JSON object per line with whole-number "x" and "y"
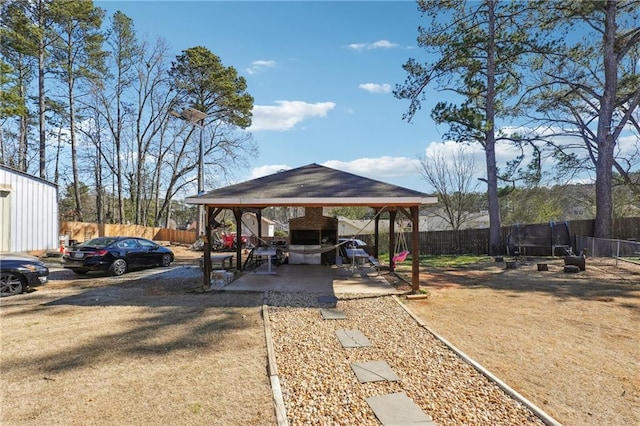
{"x": 476, "y": 241}
{"x": 467, "y": 241}
{"x": 83, "y": 231}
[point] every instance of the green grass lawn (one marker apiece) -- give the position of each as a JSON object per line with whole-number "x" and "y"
{"x": 452, "y": 261}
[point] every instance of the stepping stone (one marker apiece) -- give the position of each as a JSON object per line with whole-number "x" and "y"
{"x": 332, "y": 314}
{"x": 374, "y": 371}
{"x": 398, "y": 409}
{"x": 352, "y": 339}
{"x": 328, "y": 299}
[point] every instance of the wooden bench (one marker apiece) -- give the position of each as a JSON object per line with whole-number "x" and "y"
{"x": 224, "y": 261}
{"x": 375, "y": 263}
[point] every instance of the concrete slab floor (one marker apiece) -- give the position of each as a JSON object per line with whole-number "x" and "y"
{"x": 321, "y": 279}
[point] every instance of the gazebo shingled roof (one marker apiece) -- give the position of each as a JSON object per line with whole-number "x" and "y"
{"x": 314, "y": 185}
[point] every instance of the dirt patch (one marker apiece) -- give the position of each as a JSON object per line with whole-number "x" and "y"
{"x": 567, "y": 342}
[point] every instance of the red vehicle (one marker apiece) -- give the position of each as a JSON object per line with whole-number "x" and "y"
{"x": 228, "y": 240}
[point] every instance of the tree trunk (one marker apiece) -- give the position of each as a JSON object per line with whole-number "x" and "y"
{"x": 74, "y": 149}
{"x": 56, "y": 172}
{"x": 490, "y": 141}
{"x": 98, "y": 177}
{"x": 119, "y": 183}
{"x": 23, "y": 149}
{"x": 41, "y": 92}
{"x": 23, "y": 146}
{"x": 606, "y": 141}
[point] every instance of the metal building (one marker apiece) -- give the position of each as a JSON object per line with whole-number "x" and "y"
{"x": 28, "y": 212}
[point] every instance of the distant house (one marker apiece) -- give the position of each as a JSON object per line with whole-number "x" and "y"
{"x": 353, "y": 227}
{"x": 433, "y": 221}
{"x": 28, "y": 212}
{"x": 250, "y": 226}
{"x": 428, "y": 222}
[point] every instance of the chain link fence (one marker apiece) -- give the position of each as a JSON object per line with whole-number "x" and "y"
{"x": 601, "y": 247}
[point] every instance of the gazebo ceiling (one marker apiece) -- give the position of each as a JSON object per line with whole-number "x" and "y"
{"x": 312, "y": 185}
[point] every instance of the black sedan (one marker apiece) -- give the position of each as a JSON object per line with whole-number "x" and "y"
{"x": 115, "y": 255}
{"x": 19, "y": 272}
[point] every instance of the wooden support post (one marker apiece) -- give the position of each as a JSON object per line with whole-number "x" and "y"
{"x": 392, "y": 236}
{"x": 415, "y": 249}
{"x": 206, "y": 279}
{"x": 237, "y": 213}
{"x": 259, "y": 224}
{"x": 376, "y": 234}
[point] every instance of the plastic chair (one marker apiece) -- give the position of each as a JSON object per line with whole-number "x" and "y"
{"x": 341, "y": 267}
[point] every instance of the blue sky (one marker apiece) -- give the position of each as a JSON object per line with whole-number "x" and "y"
{"x": 321, "y": 74}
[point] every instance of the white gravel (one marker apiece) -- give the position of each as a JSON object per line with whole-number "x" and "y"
{"x": 320, "y": 388}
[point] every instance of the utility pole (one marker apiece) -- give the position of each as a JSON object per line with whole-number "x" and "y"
{"x": 196, "y": 118}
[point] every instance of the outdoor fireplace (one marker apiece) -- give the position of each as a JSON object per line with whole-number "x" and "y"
{"x": 311, "y": 233}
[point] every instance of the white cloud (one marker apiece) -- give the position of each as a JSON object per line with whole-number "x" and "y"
{"x": 260, "y": 65}
{"x": 357, "y": 46}
{"x": 380, "y": 44}
{"x": 267, "y": 170}
{"x": 380, "y": 168}
{"x": 628, "y": 145}
{"x": 383, "y": 44}
{"x": 286, "y": 114}
{"x": 449, "y": 148}
{"x": 375, "y": 87}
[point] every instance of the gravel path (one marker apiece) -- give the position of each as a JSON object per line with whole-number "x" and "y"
{"x": 320, "y": 388}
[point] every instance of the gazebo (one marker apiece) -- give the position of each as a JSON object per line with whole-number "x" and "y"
{"x": 314, "y": 186}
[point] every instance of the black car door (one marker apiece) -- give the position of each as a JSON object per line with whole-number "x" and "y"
{"x": 151, "y": 254}
{"x": 132, "y": 251}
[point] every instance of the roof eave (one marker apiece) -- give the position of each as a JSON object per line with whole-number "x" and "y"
{"x": 311, "y": 202}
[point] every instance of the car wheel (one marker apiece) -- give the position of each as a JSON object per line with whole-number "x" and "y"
{"x": 80, "y": 271}
{"x": 11, "y": 284}
{"x": 118, "y": 267}
{"x": 166, "y": 260}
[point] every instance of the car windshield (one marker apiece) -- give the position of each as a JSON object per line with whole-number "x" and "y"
{"x": 352, "y": 242}
{"x": 99, "y": 242}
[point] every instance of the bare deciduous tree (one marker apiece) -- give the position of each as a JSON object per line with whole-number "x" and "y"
{"x": 453, "y": 179}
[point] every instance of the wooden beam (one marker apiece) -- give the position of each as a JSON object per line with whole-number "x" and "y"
{"x": 237, "y": 213}
{"x": 392, "y": 237}
{"x": 406, "y": 213}
{"x": 259, "y": 218}
{"x": 376, "y": 233}
{"x": 415, "y": 250}
{"x": 206, "y": 261}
